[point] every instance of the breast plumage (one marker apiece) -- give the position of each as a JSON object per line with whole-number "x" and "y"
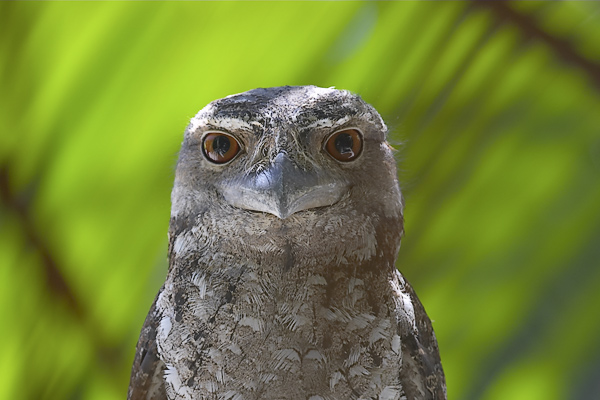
{"x": 285, "y": 225}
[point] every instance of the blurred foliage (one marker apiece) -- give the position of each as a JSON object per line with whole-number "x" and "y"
{"x": 495, "y": 108}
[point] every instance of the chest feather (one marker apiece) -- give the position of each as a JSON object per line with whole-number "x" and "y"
{"x": 280, "y": 335}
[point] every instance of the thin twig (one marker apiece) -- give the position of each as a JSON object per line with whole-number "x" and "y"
{"x": 19, "y": 206}
{"x": 530, "y": 29}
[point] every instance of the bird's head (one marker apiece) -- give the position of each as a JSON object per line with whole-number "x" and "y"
{"x": 279, "y": 157}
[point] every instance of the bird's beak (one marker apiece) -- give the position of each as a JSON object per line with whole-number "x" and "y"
{"x": 283, "y": 189}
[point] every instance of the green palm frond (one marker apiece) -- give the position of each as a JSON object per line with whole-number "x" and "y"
{"x": 495, "y": 109}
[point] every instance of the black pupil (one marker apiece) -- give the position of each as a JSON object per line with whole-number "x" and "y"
{"x": 221, "y": 145}
{"x": 343, "y": 143}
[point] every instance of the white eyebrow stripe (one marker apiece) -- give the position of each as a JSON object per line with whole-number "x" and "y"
{"x": 229, "y": 123}
{"x": 236, "y": 124}
{"x": 226, "y": 124}
{"x": 328, "y": 122}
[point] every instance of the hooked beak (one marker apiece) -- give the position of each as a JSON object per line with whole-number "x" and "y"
{"x": 283, "y": 189}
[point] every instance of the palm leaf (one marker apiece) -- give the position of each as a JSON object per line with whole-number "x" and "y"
{"x": 494, "y": 107}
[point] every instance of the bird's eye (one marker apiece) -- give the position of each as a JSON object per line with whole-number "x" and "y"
{"x": 344, "y": 145}
{"x": 219, "y": 147}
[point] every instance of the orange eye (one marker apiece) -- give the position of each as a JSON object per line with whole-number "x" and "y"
{"x": 219, "y": 147}
{"x": 344, "y": 145}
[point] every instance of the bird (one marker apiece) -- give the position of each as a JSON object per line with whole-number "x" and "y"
{"x": 285, "y": 226}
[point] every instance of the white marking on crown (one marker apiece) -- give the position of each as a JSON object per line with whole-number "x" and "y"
{"x": 328, "y": 122}
{"x": 226, "y": 123}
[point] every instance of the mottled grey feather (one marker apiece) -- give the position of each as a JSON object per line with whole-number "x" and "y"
{"x": 147, "y": 382}
{"x": 266, "y": 301}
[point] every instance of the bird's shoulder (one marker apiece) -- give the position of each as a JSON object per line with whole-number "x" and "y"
{"x": 421, "y": 374}
{"x": 147, "y": 382}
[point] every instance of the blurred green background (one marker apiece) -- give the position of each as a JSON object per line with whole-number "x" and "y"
{"x": 495, "y": 108}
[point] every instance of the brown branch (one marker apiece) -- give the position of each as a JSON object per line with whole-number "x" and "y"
{"x": 18, "y": 205}
{"x": 529, "y": 28}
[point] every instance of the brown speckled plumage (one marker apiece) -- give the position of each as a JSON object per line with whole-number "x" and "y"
{"x": 266, "y": 305}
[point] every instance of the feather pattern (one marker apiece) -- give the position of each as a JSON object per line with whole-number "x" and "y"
{"x": 265, "y": 305}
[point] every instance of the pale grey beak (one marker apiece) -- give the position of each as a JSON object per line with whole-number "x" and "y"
{"x": 283, "y": 189}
